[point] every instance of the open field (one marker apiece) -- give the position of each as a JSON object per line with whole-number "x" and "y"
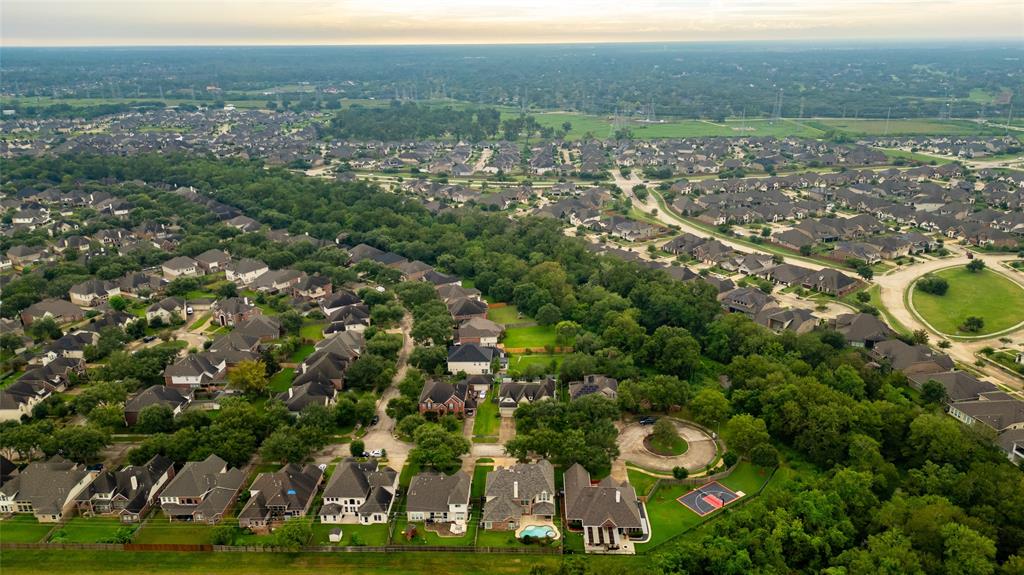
{"x": 902, "y": 127}
{"x": 533, "y": 336}
{"x": 96, "y": 562}
{"x": 985, "y": 294}
{"x": 504, "y": 315}
{"x": 519, "y": 362}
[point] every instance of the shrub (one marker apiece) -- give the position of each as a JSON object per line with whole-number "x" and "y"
{"x": 933, "y": 285}
{"x": 680, "y": 472}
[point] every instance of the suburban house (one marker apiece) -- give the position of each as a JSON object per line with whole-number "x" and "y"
{"x": 62, "y": 311}
{"x": 360, "y": 492}
{"x": 194, "y": 371}
{"x": 438, "y": 498}
{"x": 212, "y": 261}
{"x": 93, "y": 292}
{"x": 594, "y": 383}
{"x": 263, "y": 327}
{"x": 525, "y": 489}
{"x": 443, "y": 398}
{"x": 464, "y": 308}
{"x": 46, "y": 489}
{"x": 245, "y": 271}
{"x": 233, "y": 310}
{"x": 911, "y": 359}
{"x": 298, "y": 397}
{"x": 18, "y": 399}
{"x": 181, "y": 266}
{"x": 471, "y": 358}
{"x": 330, "y": 360}
{"x": 169, "y": 310}
{"x": 128, "y": 493}
{"x": 608, "y": 512}
{"x": 481, "y": 331}
{"x": 861, "y": 329}
{"x": 830, "y": 281}
{"x": 512, "y": 394}
{"x": 280, "y": 495}
{"x": 169, "y": 397}
{"x": 202, "y": 492}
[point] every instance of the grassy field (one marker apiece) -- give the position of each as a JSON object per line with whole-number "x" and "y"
{"x": 504, "y": 315}
{"x": 282, "y": 380}
{"x": 312, "y": 331}
{"x": 97, "y": 562}
{"x": 747, "y": 478}
{"x": 486, "y": 422}
{"x": 985, "y": 294}
{"x": 88, "y": 530}
{"x": 533, "y": 336}
{"x": 641, "y": 481}
{"x": 159, "y": 530}
{"x": 676, "y": 446}
{"x": 908, "y": 127}
{"x": 519, "y": 362}
{"x": 302, "y": 353}
{"x": 367, "y": 534}
{"x": 23, "y": 528}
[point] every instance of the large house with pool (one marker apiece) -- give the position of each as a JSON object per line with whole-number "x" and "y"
{"x": 521, "y": 491}
{"x": 609, "y": 513}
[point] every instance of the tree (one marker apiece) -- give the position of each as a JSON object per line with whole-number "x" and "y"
{"x": 865, "y": 271}
{"x": 764, "y": 455}
{"x": 357, "y": 448}
{"x": 975, "y": 265}
{"x": 107, "y": 416}
{"x": 680, "y": 472}
{"x": 920, "y": 337}
{"x": 548, "y": 314}
{"x": 863, "y": 297}
{"x": 665, "y": 432}
{"x": 291, "y": 322}
{"x": 933, "y": 392}
{"x": 673, "y": 351}
{"x": 709, "y": 407}
{"x": 78, "y": 443}
{"x": 933, "y": 285}
{"x": 286, "y": 446}
{"x": 369, "y": 373}
{"x": 806, "y": 250}
{"x": 565, "y": 332}
{"x": 967, "y": 552}
{"x": 155, "y": 419}
{"x": 249, "y": 376}
{"x": 43, "y": 329}
{"x": 973, "y": 324}
{"x": 293, "y": 534}
{"x": 433, "y": 359}
{"x": 744, "y": 432}
{"x": 118, "y": 303}
{"x": 438, "y": 448}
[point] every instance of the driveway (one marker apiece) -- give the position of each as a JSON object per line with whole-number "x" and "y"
{"x": 701, "y": 449}
{"x": 381, "y": 436}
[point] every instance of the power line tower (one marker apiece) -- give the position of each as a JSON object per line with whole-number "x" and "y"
{"x": 887, "y": 112}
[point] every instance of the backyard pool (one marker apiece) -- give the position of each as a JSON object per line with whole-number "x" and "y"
{"x": 537, "y": 531}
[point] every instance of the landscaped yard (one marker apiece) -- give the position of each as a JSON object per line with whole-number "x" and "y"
{"x": 312, "y": 331}
{"x": 641, "y": 481}
{"x": 519, "y": 362}
{"x": 487, "y": 538}
{"x": 282, "y": 380}
{"x": 302, "y": 352}
{"x": 88, "y": 530}
{"x": 424, "y": 537}
{"x": 23, "y": 528}
{"x": 506, "y": 314}
{"x": 533, "y": 336}
{"x": 371, "y": 535}
{"x": 159, "y": 530}
{"x": 486, "y": 422}
{"x": 985, "y": 294}
{"x": 674, "y": 446}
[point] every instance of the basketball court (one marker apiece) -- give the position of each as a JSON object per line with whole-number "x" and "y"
{"x": 709, "y": 498}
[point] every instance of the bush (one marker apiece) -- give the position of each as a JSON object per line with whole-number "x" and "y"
{"x": 933, "y": 285}
{"x": 680, "y": 472}
{"x": 357, "y": 448}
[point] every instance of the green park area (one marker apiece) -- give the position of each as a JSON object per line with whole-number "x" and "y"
{"x": 991, "y": 296}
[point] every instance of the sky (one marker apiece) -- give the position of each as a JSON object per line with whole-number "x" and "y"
{"x": 292, "y": 22}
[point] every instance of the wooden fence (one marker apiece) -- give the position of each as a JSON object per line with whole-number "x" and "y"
{"x": 269, "y": 549}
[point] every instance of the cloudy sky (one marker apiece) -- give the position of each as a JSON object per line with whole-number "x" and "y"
{"x": 209, "y": 22}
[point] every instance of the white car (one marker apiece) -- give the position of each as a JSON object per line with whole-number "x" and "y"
{"x": 483, "y": 394}
{"x": 377, "y": 453}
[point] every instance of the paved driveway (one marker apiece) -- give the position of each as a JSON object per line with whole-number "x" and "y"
{"x": 701, "y": 451}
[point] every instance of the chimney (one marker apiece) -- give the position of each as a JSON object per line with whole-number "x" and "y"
{"x": 135, "y": 482}
{"x": 618, "y": 496}
{"x": 515, "y": 489}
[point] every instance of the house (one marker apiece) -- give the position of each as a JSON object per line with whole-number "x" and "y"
{"x": 69, "y": 346}
{"x": 830, "y": 281}
{"x": 362, "y": 492}
{"x": 958, "y": 385}
{"x": 480, "y": 330}
{"x": 523, "y": 490}
{"x": 443, "y": 398}
{"x": 512, "y": 394}
{"x": 24, "y": 255}
{"x": 996, "y": 410}
{"x": 594, "y": 383}
{"x": 181, "y": 266}
{"x": 794, "y": 320}
{"x": 278, "y": 496}
{"x": 213, "y": 260}
{"x": 274, "y": 281}
{"x": 245, "y": 271}
{"x": 262, "y": 327}
{"x": 471, "y": 358}
{"x": 46, "y": 489}
{"x": 330, "y": 359}
{"x": 169, "y": 310}
{"x": 608, "y": 512}
{"x": 18, "y": 399}
{"x": 911, "y": 359}
{"x": 128, "y": 493}
{"x": 315, "y": 287}
{"x": 92, "y": 292}
{"x": 195, "y": 371}
{"x": 861, "y": 329}
{"x": 299, "y": 397}
{"x": 139, "y": 283}
{"x": 169, "y": 397}
{"x": 464, "y": 308}
{"x": 746, "y": 300}
{"x": 202, "y": 492}
{"x": 233, "y": 310}
{"x": 438, "y": 498}
{"x": 62, "y": 311}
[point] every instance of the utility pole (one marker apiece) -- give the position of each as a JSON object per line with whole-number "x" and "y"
{"x": 887, "y": 112}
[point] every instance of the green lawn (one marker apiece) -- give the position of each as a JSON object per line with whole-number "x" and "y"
{"x": 159, "y": 530}
{"x": 641, "y": 481}
{"x": 408, "y": 472}
{"x": 371, "y": 535}
{"x": 19, "y": 562}
{"x": 675, "y": 446}
{"x": 11, "y": 378}
{"x": 985, "y": 294}
{"x": 486, "y": 422}
{"x": 487, "y": 538}
{"x": 199, "y": 322}
{"x": 747, "y": 478}
{"x": 424, "y": 537}
{"x": 282, "y": 380}
{"x": 479, "y": 485}
{"x": 533, "y": 336}
{"x": 504, "y": 315}
{"x": 302, "y": 353}
{"x": 89, "y": 530}
{"x": 668, "y": 517}
{"x": 312, "y": 331}
{"x": 519, "y": 362}
{"x": 902, "y": 127}
{"x": 23, "y": 528}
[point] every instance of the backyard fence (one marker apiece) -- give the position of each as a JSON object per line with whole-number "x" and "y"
{"x": 270, "y": 549}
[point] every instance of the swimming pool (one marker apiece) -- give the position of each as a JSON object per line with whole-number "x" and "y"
{"x": 537, "y": 531}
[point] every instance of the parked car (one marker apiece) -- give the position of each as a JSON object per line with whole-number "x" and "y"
{"x": 148, "y": 338}
{"x": 648, "y": 420}
{"x": 376, "y": 418}
{"x": 377, "y": 453}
